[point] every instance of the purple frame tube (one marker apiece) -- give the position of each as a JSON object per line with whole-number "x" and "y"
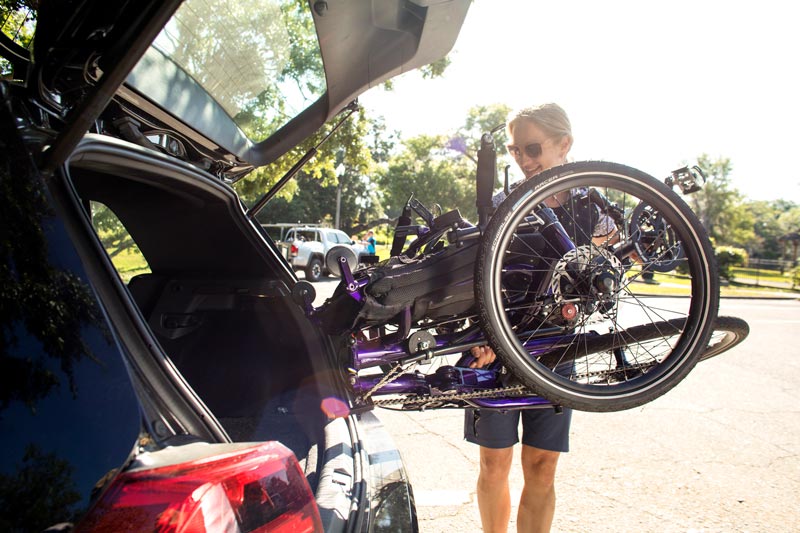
{"x": 396, "y": 351}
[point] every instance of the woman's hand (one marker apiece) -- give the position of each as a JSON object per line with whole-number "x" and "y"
{"x": 483, "y": 356}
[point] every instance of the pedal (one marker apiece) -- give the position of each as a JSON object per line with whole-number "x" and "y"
{"x": 689, "y": 179}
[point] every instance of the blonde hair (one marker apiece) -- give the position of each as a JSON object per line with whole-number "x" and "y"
{"x": 550, "y": 118}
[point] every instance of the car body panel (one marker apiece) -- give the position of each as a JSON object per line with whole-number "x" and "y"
{"x": 206, "y": 345}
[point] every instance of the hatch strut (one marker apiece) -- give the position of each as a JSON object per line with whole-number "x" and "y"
{"x": 351, "y": 108}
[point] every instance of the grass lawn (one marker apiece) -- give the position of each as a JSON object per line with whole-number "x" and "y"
{"x": 761, "y": 274}
{"x": 130, "y": 263}
{"x": 672, "y": 285}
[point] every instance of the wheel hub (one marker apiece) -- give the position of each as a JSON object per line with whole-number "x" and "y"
{"x": 587, "y": 279}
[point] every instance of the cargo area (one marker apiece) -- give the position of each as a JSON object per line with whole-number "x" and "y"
{"x": 215, "y": 299}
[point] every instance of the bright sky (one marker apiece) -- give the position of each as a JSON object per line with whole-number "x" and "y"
{"x": 652, "y": 85}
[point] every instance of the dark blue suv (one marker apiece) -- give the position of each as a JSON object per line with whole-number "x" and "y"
{"x": 156, "y": 373}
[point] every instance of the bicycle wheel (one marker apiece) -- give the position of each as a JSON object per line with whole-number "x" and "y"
{"x": 573, "y": 321}
{"x": 728, "y": 332}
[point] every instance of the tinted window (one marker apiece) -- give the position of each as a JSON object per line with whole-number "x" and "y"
{"x": 259, "y": 59}
{"x": 68, "y": 414}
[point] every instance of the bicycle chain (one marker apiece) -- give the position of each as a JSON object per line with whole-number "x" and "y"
{"x": 417, "y": 400}
{"x": 390, "y": 376}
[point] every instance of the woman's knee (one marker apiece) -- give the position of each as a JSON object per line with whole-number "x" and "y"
{"x": 539, "y": 466}
{"x": 496, "y": 463}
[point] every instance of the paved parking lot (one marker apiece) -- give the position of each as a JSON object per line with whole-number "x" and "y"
{"x": 719, "y": 453}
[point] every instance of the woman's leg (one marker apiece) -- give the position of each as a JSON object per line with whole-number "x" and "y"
{"x": 494, "y": 498}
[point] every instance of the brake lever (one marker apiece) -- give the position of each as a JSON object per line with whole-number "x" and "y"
{"x": 611, "y": 208}
{"x": 422, "y": 211}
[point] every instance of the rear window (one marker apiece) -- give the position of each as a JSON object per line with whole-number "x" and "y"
{"x": 259, "y": 59}
{"x": 306, "y": 235}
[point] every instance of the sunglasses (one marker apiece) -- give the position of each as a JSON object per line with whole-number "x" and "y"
{"x": 532, "y": 150}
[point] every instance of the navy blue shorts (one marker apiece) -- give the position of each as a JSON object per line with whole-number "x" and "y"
{"x": 541, "y": 428}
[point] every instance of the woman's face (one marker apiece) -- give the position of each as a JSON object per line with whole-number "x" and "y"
{"x": 532, "y": 159}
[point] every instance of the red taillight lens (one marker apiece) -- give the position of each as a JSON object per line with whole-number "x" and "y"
{"x": 293, "y": 250}
{"x": 259, "y": 489}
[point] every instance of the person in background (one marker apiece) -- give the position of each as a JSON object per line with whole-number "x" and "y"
{"x": 370, "y": 242}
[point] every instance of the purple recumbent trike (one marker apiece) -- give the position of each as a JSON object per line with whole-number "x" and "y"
{"x": 596, "y": 320}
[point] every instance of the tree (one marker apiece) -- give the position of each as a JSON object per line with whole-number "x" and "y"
{"x": 482, "y": 119}
{"x": 719, "y": 206}
{"x": 262, "y": 64}
{"x": 361, "y": 144}
{"x": 112, "y": 233}
{"x": 433, "y": 173}
{"x": 766, "y": 230}
{"x": 441, "y": 168}
{"x": 774, "y": 220}
{"x": 250, "y": 58}
{"x": 18, "y": 23}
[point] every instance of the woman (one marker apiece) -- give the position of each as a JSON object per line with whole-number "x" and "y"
{"x": 541, "y": 138}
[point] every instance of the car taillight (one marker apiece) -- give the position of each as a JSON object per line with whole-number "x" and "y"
{"x": 293, "y": 250}
{"x": 256, "y": 489}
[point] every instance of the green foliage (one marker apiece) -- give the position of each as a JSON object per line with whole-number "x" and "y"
{"x": 441, "y": 169}
{"x": 433, "y": 173}
{"x": 719, "y": 206}
{"x": 729, "y": 257}
{"x": 347, "y": 160}
{"x": 770, "y": 222}
{"x": 18, "y": 19}
{"x": 260, "y": 61}
{"x": 113, "y": 235}
{"x": 796, "y": 277}
{"x": 357, "y": 145}
{"x": 731, "y": 220}
{"x": 481, "y": 119}
{"x": 435, "y": 69}
{"x": 376, "y": 180}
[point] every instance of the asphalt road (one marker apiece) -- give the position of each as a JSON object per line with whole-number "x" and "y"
{"x": 719, "y": 453}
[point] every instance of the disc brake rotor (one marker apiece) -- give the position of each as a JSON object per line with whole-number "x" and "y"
{"x": 589, "y": 276}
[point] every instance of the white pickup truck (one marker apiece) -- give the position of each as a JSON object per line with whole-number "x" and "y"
{"x": 314, "y": 250}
